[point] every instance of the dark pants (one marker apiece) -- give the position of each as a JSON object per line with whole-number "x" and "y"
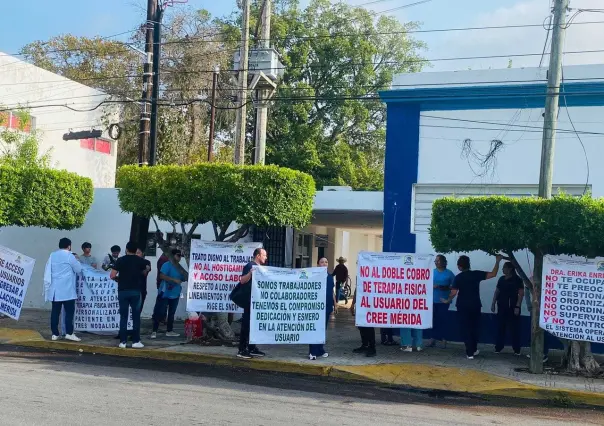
{"x": 469, "y": 321}
{"x": 387, "y": 335}
{"x": 439, "y": 320}
{"x": 55, "y": 316}
{"x": 244, "y": 335}
{"x": 367, "y": 337}
{"x": 130, "y": 299}
{"x": 160, "y": 308}
{"x": 164, "y": 314}
{"x": 319, "y": 350}
{"x": 507, "y": 320}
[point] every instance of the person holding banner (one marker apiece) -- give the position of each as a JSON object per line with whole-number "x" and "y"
{"x": 367, "y": 334}
{"x": 60, "y": 288}
{"x": 442, "y": 279}
{"x": 86, "y": 258}
{"x": 466, "y": 287}
{"x": 315, "y": 351}
{"x": 247, "y": 351}
{"x": 170, "y": 290}
{"x": 130, "y": 268}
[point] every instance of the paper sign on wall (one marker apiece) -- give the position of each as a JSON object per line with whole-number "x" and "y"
{"x": 15, "y": 274}
{"x": 394, "y": 290}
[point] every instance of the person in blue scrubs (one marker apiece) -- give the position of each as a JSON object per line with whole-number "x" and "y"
{"x": 315, "y": 351}
{"x": 442, "y": 279}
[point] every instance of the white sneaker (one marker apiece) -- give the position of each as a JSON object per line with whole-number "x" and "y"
{"x": 172, "y": 334}
{"x": 419, "y": 349}
{"x": 138, "y": 345}
{"x": 477, "y": 353}
{"x": 325, "y": 355}
{"x": 72, "y": 337}
{"x": 55, "y": 338}
{"x": 312, "y": 357}
{"x": 122, "y": 346}
{"x": 470, "y": 357}
{"x": 153, "y": 335}
{"x": 407, "y": 349}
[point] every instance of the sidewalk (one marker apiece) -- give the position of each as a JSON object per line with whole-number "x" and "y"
{"x": 431, "y": 370}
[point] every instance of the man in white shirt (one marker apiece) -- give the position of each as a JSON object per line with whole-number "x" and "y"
{"x": 60, "y": 288}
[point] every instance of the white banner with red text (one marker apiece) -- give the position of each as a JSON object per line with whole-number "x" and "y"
{"x": 215, "y": 269}
{"x": 572, "y": 298}
{"x": 394, "y": 290}
{"x": 15, "y": 274}
{"x": 288, "y": 306}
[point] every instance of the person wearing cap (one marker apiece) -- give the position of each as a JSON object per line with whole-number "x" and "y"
{"x": 170, "y": 290}
{"x": 341, "y": 274}
{"x": 86, "y": 258}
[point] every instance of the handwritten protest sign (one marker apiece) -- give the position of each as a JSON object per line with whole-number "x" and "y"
{"x": 15, "y": 274}
{"x": 394, "y": 290}
{"x": 572, "y": 299}
{"x": 97, "y": 307}
{"x": 215, "y": 270}
{"x": 288, "y": 305}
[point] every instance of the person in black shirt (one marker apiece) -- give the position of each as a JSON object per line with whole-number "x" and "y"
{"x": 246, "y": 350}
{"x": 144, "y": 276}
{"x": 129, "y": 270}
{"x": 508, "y": 296}
{"x": 466, "y": 287}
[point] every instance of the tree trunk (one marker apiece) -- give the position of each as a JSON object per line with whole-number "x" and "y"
{"x": 537, "y": 337}
{"x": 578, "y": 358}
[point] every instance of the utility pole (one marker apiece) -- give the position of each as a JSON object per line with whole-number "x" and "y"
{"x": 262, "y": 110}
{"x": 213, "y": 113}
{"x": 550, "y": 123}
{"x": 243, "y": 71}
{"x": 155, "y": 94}
{"x": 140, "y": 225}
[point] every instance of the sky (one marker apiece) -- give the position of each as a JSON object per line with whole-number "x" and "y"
{"x": 25, "y": 21}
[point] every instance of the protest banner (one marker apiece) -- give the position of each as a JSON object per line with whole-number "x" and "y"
{"x": 215, "y": 270}
{"x": 572, "y": 298}
{"x": 288, "y": 306}
{"x": 97, "y": 307}
{"x": 394, "y": 290}
{"x": 15, "y": 274}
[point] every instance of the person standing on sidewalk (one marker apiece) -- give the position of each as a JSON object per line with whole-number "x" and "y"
{"x": 341, "y": 274}
{"x": 367, "y": 334}
{"x": 247, "y": 351}
{"x": 86, "y": 258}
{"x": 170, "y": 291}
{"x": 111, "y": 258}
{"x": 315, "y": 351}
{"x": 508, "y": 297}
{"x": 60, "y": 288}
{"x": 466, "y": 287}
{"x": 443, "y": 281}
{"x": 160, "y": 262}
{"x": 129, "y": 269}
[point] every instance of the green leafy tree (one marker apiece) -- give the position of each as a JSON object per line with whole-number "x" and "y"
{"x": 32, "y": 194}
{"x": 563, "y": 225}
{"x": 326, "y": 119}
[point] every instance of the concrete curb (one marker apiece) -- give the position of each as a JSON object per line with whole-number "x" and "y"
{"x": 419, "y": 377}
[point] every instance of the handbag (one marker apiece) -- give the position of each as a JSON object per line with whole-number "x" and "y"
{"x": 241, "y": 295}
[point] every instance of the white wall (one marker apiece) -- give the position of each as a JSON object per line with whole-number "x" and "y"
{"x": 442, "y": 161}
{"x": 105, "y": 226}
{"x": 24, "y": 85}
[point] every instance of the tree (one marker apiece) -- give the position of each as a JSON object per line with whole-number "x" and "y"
{"x": 564, "y": 225}
{"x": 32, "y": 194}
{"x": 190, "y": 48}
{"x": 326, "y": 119}
{"x": 229, "y": 197}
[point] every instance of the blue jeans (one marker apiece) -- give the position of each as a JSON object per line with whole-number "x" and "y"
{"x": 319, "y": 350}
{"x": 130, "y": 299}
{"x": 55, "y": 316}
{"x": 439, "y": 320}
{"x": 160, "y": 309}
{"x": 412, "y": 337}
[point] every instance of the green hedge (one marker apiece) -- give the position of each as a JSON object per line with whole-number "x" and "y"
{"x": 562, "y": 225}
{"x": 32, "y": 196}
{"x": 221, "y": 193}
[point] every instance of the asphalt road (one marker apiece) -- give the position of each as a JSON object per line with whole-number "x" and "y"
{"x": 47, "y": 388}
